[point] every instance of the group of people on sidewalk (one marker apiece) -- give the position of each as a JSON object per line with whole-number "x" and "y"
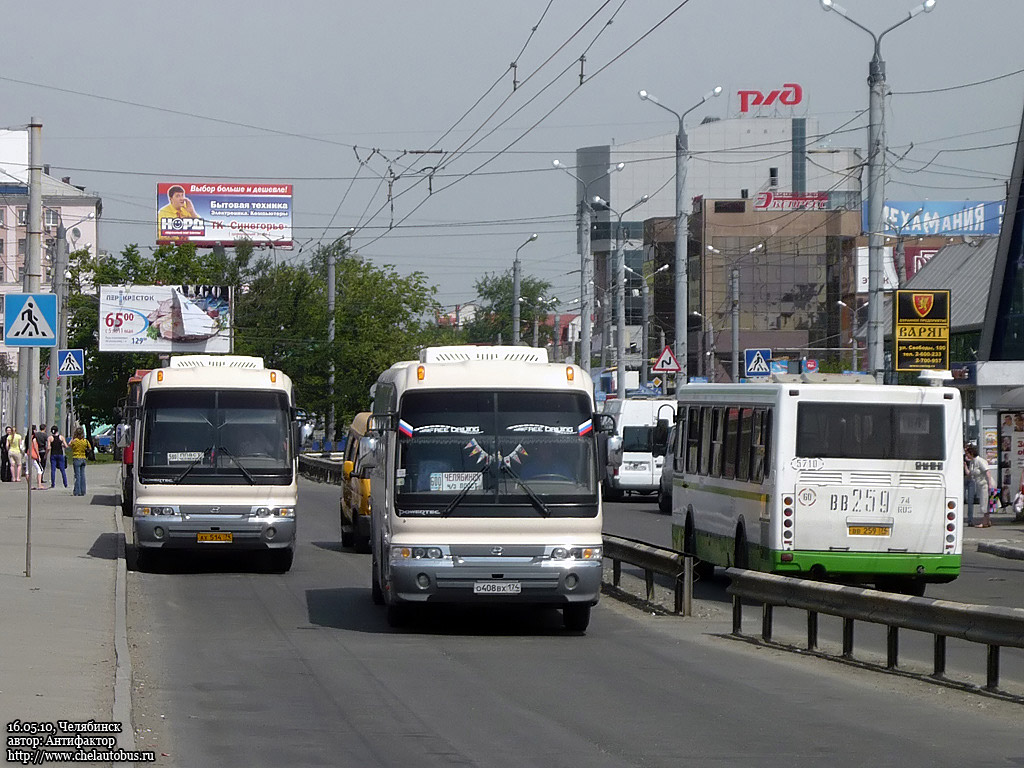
{"x": 26, "y": 455}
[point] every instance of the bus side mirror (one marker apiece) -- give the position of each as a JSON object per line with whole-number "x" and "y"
{"x": 382, "y": 422}
{"x": 659, "y": 438}
{"x": 367, "y": 458}
{"x": 605, "y": 423}
{"x": 614, "y": 451}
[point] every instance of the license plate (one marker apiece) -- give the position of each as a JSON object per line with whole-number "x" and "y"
{"x": 497, "y": 588}
{"x": 870, "y": 530}
{"x": 214, "y": 537}
{"x": 636, "y": 466}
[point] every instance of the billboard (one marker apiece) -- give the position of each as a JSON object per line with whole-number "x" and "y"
{"x": 921, "y": 330}
{"x": 938, "y": 217}
{"x": 208, "y": 214}
{"x": 165, "y": 318}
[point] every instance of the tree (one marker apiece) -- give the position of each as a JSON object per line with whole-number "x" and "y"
{"x": 494, "y": 315}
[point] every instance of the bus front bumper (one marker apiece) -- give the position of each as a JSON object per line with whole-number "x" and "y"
{"x": 236, "y": 533}
{"x": 491, "y": 581}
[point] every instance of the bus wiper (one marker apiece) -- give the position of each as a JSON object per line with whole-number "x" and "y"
{"x": 534, "y": 498}
{"x": 246, "y": 472}
{"x": 189, "y": 468}
{"x": 457, "y": 500}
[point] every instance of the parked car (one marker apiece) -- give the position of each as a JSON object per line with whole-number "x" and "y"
{"x": 104, "y": 441}
{"x": 355, "y": 491}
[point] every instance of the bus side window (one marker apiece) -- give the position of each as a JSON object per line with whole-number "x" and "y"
{"x": 704, "y": 451}
{"x": 757, "y": 447}
{"x": 717, "y": 437}
{"x": 692, "y": 440}
{"x": 746, "y": 439}
{"x": 732, "y": 427}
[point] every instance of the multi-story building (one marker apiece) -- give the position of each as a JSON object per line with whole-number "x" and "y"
{"x": 759, "y": 163}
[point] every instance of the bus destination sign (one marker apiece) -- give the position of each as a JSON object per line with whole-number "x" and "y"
{"x": 921, "y": 323}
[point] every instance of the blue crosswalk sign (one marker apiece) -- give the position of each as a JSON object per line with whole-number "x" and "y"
{"x": 70, "y": 362}
{"x": 757, "y": 362}
{"x": 30, "y": 320}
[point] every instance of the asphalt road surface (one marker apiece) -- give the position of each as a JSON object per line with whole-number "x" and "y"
{"x": 235, "y": 667}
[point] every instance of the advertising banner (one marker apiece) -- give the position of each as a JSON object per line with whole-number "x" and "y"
{"x": 1011, "y": 454}
{"x": 939, "y": 217}
{"x": 921, "y": 323}
{"x": 210, "y": 213}
{"x": 165, "y": 318}
{"x": 791, "y": 201}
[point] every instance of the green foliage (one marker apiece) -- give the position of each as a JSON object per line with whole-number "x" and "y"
{"x": 494, "y": 314}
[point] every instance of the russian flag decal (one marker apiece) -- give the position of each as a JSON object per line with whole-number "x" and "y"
{"x": 586, "y": 427}
{"x": 405, "y": 428}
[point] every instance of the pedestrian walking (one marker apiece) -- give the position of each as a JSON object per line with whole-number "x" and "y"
{"x": 79, "y": 447}
{"x": 5, "y": 460}
{"x": 982, "y": 477}
{"x": 35, "y": 467}
{"x": 13, "y": 441}
{"x": 970, "y": 488}
{"x": 56, "y": 445}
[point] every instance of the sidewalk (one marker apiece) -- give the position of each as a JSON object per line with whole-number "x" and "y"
{"x": 64, "y": 652}
{"x": 1004, "y": 538}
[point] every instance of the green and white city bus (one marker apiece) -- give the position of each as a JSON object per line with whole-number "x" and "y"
{"x": 848, "y": 481}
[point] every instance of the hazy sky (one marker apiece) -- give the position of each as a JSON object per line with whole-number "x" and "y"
{"x": 336, "y": 97}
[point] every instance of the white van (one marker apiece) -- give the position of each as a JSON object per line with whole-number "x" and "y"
{"x": 642, "y": 423}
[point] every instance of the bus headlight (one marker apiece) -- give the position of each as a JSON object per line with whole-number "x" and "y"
{"x": 417, "y": 553}
{"x": 146, "y": 511}
{"x": 576, "y": 553}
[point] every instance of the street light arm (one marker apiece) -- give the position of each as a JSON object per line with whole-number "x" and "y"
{"x": 716, "y": 91}
{"x": 645, "y": 96}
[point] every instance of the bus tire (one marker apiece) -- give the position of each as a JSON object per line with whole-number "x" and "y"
{"x": 398, "y": 615}
{"x": 361, "y": 544}
{"x": 147, "y": 559}
{"x": 740, "y": 557}
{"x": 576, "y": 617}
{"x": 665, "y": 503}
{"x": 612, "y": 494}
{"x": 376, "y": 593}
{"x": 280, "y": 560}
{"x": 701, "y": 568}
{"x": 347, "y": 533}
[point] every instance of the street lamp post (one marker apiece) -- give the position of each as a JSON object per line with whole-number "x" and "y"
{"x": 682, "y": 229}
{"x": 709, "y": 345}
{"x": 734, "y": 289}
{"x": 586, "y": 263}
{"x": 331, "y": 290}
{"x": 876, "y": 181}
{"x": 516, "y": 269}
{"x": 620, "y": 292}
{"x": 854, "y": 327}
{"x": 645, "y": 323}
{"x": 59, "y": 286}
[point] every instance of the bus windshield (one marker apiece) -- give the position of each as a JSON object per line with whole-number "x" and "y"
{"x": 870, "y": 431}
{"x": 216, "y": 437}
{"x": 486, "y": 453}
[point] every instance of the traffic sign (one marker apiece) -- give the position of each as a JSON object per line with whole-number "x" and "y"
{"x": 70, "y": 362}
{"x": 30, "y": 320}
{"x": 666, "y": 362}
{"x": 757, "y": 362}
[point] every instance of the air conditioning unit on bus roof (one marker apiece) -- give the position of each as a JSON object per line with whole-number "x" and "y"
{"x": 217, "y": 361}
{"x": 462, "y": 354}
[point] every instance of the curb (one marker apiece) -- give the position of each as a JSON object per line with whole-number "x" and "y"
{"x": 1001, "y": 550}
{"x": 122, "y": 711}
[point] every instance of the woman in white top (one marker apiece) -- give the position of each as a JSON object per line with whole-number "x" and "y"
{"x": 982, "y": 477}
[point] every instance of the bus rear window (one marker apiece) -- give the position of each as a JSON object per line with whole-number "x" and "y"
{"x": 868, "y": 431}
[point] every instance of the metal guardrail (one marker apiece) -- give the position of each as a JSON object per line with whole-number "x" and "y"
{"x": 993, "y": 627}
{"x": 668, "y": 562}
{"x": 320, "y": 469}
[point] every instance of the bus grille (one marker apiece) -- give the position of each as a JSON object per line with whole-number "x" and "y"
{"x": 921, "y": 479}
{"x": 821, "y": 478}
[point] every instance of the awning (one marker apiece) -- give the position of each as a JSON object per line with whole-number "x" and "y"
{"x": 1014, "y": 399}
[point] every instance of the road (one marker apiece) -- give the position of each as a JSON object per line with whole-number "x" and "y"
{"x": 240, "y": 668}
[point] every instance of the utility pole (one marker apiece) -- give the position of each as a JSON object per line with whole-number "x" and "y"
{"x": 28, "y": 357}
{"x": 59, "y": 286}
{"x": 735, "y": 325}
{"x": 516, "y": 270}
{"x": 331, "y": 290}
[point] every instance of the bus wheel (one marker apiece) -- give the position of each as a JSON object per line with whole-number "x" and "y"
{"x": 375, "y": 591}
{"x": 576, "y": 617}
{"x": 701, "y": 569}
{"x": 665, "y": 503}
{"x": 147, "y": 559}
{"x": 360, "y": 543}
{"x": 280, "y": 560}
{"x": 739, "y": 558}
{"x": 347, "y": 533}
{"x": 612, "y": 494}
{"x": 398, "y": 615}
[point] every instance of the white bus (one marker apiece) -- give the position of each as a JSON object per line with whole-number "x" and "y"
{"x": 486, "y": 471}
{"x": 847, "y": 481}
{"x": 215, "y": 459}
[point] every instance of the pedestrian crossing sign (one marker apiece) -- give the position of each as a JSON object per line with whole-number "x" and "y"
{"x": 30, "y": 320}
{"x": 758, "y": 362}
{"x": 70, "y": 362}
